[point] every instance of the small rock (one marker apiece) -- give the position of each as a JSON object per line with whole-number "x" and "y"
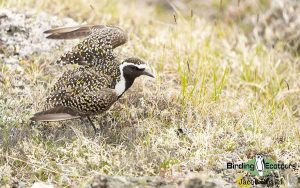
{"x": 21, "y": 34}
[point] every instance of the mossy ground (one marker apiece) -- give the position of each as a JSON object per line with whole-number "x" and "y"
{"x": 231, "y": 97}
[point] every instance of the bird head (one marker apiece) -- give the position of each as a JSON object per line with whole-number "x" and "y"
{"x": 134, "y": 67}
{"x": 259, "y": 157}
{"x": 130, "y": 69}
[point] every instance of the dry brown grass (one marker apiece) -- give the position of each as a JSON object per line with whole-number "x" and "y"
{"x": 230, "y": 98}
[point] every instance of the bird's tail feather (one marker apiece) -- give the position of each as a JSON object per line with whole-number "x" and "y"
{"x": 56, "y": 114}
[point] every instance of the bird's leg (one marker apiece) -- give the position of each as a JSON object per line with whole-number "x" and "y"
{"x": 91, "y": 122}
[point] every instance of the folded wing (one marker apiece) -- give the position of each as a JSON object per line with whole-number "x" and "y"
{"x": 78, "y": 96}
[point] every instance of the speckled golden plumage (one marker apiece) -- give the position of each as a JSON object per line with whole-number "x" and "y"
{"x": 84, "y": 90}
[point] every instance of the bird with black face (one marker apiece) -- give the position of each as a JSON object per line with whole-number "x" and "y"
{"x": 88, "y": 91}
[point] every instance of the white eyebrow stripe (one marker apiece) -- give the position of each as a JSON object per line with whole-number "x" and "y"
{"x": 141, "y": 66}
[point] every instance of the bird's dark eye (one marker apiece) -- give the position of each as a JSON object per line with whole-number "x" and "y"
{"x": 136, "y": 68}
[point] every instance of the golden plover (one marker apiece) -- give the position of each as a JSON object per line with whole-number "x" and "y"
{"x": 87, "y": 91}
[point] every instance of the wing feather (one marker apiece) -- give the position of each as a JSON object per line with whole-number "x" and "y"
{"x": 71, "y": 32}
{"x": 96, "y": 48}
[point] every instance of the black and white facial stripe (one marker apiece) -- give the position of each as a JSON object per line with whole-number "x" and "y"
{"x": 130, "y": 71}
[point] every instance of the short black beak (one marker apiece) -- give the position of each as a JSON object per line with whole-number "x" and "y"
{"x": 148, "y": 73}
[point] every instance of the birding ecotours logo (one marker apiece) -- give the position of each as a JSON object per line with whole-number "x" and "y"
{"x": 261, "y": 166}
